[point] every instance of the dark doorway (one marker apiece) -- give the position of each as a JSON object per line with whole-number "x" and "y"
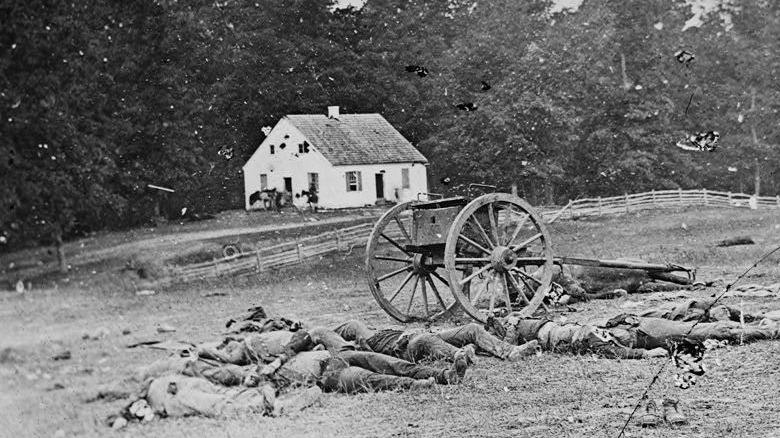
{"x": 380, "y": 185}
{"x": 288, "y": 185}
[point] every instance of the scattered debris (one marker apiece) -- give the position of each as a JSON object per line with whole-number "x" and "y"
{"x": 145, "y": 292}
{"x": 55, "y": 387}
{"x": 214, "y": 294}
{"x": 421, "y": 71}
{"x": 126, "y": 331}
{"x": 732, "y": 169}
{"x": 734, "y": 241}
{"x": 466, "y": 106}
{"x": 166, "y": 328}
{"x": 19, "y": 287}
{"x": 445, "y": 180}
{"x": 63, "y": 355}
{"x": 703, "y": 141}
{"x": 100, "y": 333}
{"x": 266, "y": 130}
{"x": 684, "y": 56}
{"x": 485, "y": 86}
{"x": 226, "y": 152}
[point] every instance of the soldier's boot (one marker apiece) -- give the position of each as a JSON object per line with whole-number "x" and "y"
{"x": 458, "y": 370}
{"x": 672, "y": 414}
{"x": 471, "y": 353}
{"x": 423, "y": 384}
{"x": 521, "y": 351}
{"x": 650, "y": 418}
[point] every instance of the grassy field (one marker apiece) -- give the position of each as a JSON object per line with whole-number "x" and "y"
{"x": 548, "y": 395}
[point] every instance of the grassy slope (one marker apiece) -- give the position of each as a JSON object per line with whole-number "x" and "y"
{"x": 551, "y": 395}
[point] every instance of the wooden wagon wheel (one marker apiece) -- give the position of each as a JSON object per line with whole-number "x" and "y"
{"x": 405, "y": 284}
{"x": 494, "y": 245}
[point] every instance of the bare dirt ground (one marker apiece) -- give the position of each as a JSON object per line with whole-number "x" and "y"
{"x": 548, "y": 395}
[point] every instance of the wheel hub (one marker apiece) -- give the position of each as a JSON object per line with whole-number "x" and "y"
{"x": 421, "y": 264}
{"x": 503, "y": 258}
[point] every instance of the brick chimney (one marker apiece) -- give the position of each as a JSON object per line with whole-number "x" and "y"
{"x": 333, "y": 112}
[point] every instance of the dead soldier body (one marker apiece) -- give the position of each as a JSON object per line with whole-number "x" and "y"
{"x": 248, "y": 375}
{"x": 626, "y": 336}
{"x": 416, "y": 345}
{"x": 378, "y": 370}
{"x": 582, "y": 283}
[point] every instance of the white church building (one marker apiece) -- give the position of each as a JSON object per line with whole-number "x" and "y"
{"x": 351, "y": 160}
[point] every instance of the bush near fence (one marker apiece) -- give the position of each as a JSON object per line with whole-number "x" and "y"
{"x": 355, "y": 237}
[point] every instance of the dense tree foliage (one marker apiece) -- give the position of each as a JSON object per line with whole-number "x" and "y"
{"x": 98, "y": 99}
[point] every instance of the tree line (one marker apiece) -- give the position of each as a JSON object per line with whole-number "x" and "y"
{"x": 99, "y": 99}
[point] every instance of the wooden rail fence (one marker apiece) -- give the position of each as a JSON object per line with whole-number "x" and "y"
{"x": 355, "y": 237}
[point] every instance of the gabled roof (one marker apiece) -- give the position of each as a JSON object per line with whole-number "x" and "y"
{"x": 356, "y": 139}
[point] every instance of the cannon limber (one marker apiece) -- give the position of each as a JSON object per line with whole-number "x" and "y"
{"x": 489, "y": 255}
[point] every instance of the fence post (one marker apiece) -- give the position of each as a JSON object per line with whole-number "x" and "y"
{"x": 729, "y": 198}
{"x": 338, "y": 240}
{"x": 652, "y": 193}
{"x": 257, "y": 255}
{"x": 705, "y": 196}
{"x": 679, "y": 195}
{"x": 216, "y": 268}
{"x": 777, "y": 198}
{"x": 599, "y": 205}
{"x": 626, "y": 197}
{"x": 300, "y": 256}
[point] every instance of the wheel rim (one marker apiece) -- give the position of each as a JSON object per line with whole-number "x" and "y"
{"x": 405, "y": 284}
{"x": 498, "y": 257}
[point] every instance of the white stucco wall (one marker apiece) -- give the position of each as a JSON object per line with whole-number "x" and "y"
{"x": 333, "y": 187}
{"x": 337, "y": 195}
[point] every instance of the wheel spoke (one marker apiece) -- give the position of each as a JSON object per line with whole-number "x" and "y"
{"x": 517, "y": 230}
{"x": 436, "y": 274}
{"x": 424, "y": 296}
{"x": 506, "y": 293}
{"x": 481, "y": 232}
{"x": 474, "y": 274}
{"x": 392, "y": 259}
{"x": 526, "y": 242}
{"x": 471, "y": 260}
{"x": 401, "y": 286}
{"x": 493, "y": 224}
{"x": 393, "y": 274}
{"x": 525, "y": 276}
{"x": 414, "y": 289}
{"x": 517, "y": 287}
{"x": 480, "y": 292}
{"x": 395, "y": 244}
{"x": 474, "y": 244}
{"x": 492, "y": 302}
{"x": 403, "y": 230}
{"x": 436, "y": 292}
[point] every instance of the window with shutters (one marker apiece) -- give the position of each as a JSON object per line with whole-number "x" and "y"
{"x": 404, "y": 178}
{"x": 354, "y": 182}
{"x": 314, "y": 182}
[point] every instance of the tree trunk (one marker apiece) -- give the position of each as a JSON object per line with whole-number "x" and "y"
{"x": 61, "y": 254}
